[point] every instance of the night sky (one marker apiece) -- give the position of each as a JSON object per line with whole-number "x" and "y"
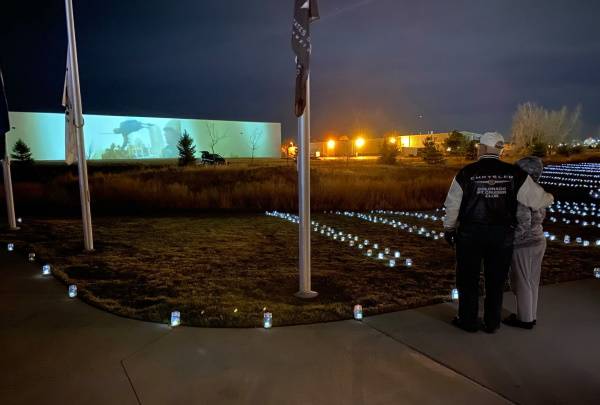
{"x": 377, "y": 64}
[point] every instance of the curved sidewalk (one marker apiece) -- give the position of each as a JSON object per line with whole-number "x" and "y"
{"x": 58, "y": 350}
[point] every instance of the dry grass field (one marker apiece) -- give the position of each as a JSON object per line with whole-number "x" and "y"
{"x": 233, "y": 189}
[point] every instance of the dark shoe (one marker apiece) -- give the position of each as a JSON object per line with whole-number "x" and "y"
{"x": 490, "y": 329}
{"x": 461, "y": 325}
{"x": 514, "y": 322}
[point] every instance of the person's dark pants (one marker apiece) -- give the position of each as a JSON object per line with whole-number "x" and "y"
{"x": 492, "y": 246}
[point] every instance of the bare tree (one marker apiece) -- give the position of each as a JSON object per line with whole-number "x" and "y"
{"x": 214, "y": 137}
{"x": 534, "y": 124}
{"x": 254, "y": 141}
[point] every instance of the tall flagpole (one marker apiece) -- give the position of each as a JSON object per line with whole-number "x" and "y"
{"x": 8, "y": 190}
{"x": 305, "y": 290}
{"x": 84, "y": 192}
{"x": 5, "y": 128}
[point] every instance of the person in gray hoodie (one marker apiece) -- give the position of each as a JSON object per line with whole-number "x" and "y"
{"x": 528, "y": 253}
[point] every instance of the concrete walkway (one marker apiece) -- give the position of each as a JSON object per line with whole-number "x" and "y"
{"x": 55, "y": 350}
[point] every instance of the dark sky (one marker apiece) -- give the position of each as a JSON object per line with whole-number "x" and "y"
{"x": 377, "y": 64}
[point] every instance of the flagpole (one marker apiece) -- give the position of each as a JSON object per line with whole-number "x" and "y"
{"x": 8, "y": 190}
{"x": 84, "y": 192}
{"x": 305, "y": 290}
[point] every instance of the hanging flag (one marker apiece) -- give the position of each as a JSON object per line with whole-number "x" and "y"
{"x": 70, "y": 133}
{"x": 4, "y": 120}
{"x": 305, "y": 12}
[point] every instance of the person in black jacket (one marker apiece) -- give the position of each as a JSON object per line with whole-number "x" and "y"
{"x": 480, "y": 217}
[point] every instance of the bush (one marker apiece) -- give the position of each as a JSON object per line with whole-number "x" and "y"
{"x": 456, "y": 144}
{"x": 539, "y": 149}
{"x": 430, "y": 153}
{"x": 187, "y": 150}
{"x": 563, "y": 150}
{"x": 471, "y": 151}
{"x": 388, "y": 153}
{"x": 21, "y": 152}
{"x": 577, "y": 149}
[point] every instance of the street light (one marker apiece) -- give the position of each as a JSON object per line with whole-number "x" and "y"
{"x": 330, "y": 147}
{"x": 359, "y": 142}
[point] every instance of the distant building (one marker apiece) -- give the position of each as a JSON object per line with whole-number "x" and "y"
{"x": 408, "y": 145}
{"x": 344, "y": 146}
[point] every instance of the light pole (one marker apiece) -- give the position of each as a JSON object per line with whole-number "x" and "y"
{"x": 358, "y": 144}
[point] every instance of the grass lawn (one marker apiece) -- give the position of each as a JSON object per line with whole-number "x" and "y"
{"x": 207, "y": 267}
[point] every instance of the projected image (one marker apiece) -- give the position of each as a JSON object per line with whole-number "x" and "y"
{"x": 115, "y": 137}
{"x": 145, "y": 140}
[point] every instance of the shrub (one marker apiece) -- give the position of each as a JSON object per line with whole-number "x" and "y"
{"x": 539, "y": 149}
{"x": 577, "y": 149}
{"x": 471, "y": 150}
{"x": 456, "y": 144}
{"x": 187, "y": 150}
{"x": 430, "y": 153}
{"x": 21, "y": 152}
{"x": 388, "y": 153}
{"x": 563, "y": 150}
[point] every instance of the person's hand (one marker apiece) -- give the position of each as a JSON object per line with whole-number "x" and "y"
{"x": 450, "y": 236}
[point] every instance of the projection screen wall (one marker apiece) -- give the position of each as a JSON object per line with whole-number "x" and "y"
{"x": 119, "y": 137}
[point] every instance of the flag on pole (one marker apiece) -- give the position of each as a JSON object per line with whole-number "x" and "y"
{"x": 4, "y": 120}
{"x": 70, "y": 133}
{"x": 305, "y": 12}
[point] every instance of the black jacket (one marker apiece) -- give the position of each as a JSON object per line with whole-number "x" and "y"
{"x": 489, "y": 192}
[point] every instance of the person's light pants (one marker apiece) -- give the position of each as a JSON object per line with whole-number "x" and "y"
{"x": 525, "y": 279}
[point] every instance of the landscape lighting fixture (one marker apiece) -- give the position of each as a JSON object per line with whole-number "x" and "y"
{"x": 267, "y": 320}
{"x": 175, "y": 319}
{"x": 454, "y": 294}
{"x": 46, "y": 270}
{"x": 10, "y": 247}
{"x": 358, "y": 312}
{"x": 72, "y": 291}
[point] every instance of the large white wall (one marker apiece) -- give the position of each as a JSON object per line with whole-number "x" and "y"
{"x": 147, "y": 137}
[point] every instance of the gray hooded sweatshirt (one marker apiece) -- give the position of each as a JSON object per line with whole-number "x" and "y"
{"x": 529, "y": 231}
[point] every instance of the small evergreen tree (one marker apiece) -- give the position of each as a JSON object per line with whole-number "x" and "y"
{"x": 564, "y": 149}
{"x": 539, "y": 149}
{"x": 430, "y": 153}
{"x": 388, "y": 153}
{"x": 471, "y": 150}
{"x": 21, "y": 152}
{"x": 187, "y": 150}
{"x": 455, "y": 143}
